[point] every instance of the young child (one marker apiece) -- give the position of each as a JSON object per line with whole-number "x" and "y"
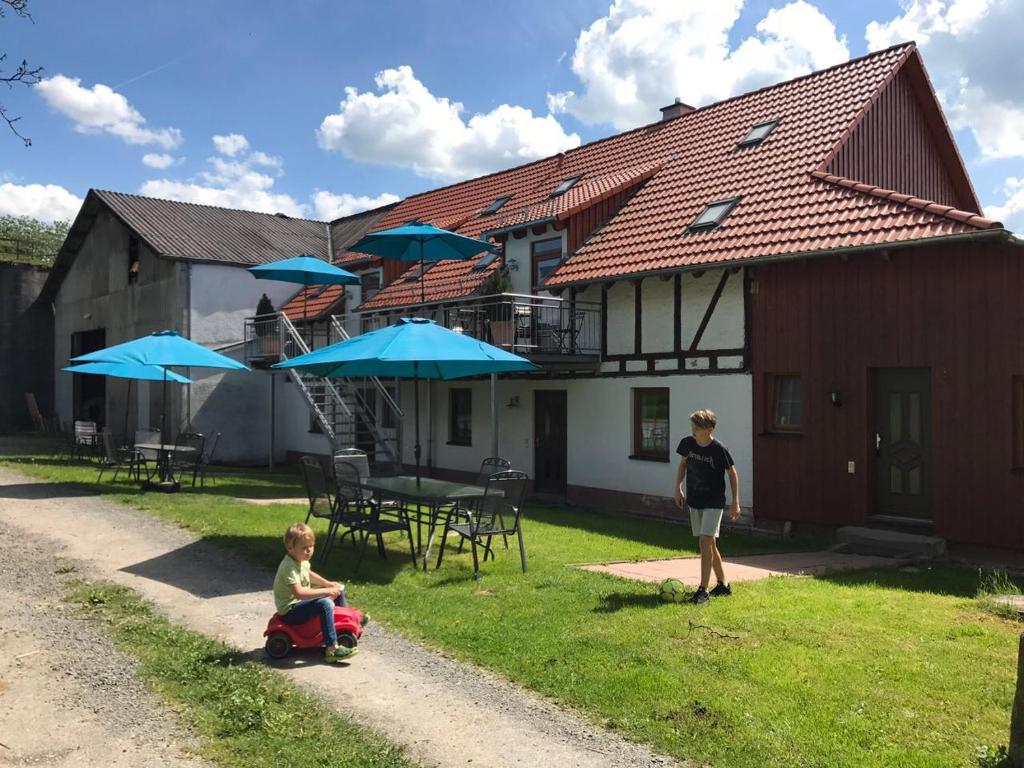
{"x": 296, "y": 599}
{"x": 704, "y": 464}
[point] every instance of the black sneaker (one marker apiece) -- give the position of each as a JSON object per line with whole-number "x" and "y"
{"x": 721, "y": 590}
{"x": 700, "y": 596}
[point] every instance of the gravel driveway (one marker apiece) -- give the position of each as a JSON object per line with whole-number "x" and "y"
{"x": 433, "y": 705}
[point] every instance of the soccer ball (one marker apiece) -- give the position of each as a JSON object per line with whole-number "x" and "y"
{"x": 672, "y": 591}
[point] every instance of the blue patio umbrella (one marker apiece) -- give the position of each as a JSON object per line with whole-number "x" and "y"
{"x": 305, "y": 270}
{"x": 412, "y": 348}
{"x": 421, "y": 242}
{"x": 128, "y": 371}
{"x": 163, "y": 348}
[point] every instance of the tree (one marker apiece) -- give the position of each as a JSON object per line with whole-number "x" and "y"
{"x": 30, "y": 241}
{"x": 23, "y": 73}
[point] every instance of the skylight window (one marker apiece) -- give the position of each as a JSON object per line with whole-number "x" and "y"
{"x": 485, "y": 262}
{"x": 419, "y": 272}
{"x": 493, "y": 207}
{"x": 758, "y": 133}
{"x": 565, "y": 186}
{"x": 713, "y": 215}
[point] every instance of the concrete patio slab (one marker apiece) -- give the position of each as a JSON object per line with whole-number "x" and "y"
{"x": 748, "y": 568}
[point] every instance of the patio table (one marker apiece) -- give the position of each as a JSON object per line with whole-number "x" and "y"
{"x": 429, "y": 493}
{"x": 164, "y": 465}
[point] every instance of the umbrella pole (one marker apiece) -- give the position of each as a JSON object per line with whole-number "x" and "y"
{"x": 422, "y": 280}
{"x": 416, "y": 399}
{"x": 127, "y": 403}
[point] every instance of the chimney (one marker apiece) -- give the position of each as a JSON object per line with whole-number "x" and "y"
{"x": 675, "y": 109}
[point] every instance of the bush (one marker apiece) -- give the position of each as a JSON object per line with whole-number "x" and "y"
{"x": 993, "y": 757}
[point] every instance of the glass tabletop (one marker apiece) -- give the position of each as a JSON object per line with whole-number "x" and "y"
{"x": 429, "y": 490}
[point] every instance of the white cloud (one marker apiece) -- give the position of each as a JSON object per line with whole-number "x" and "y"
{"x": 645, "y": 53}
{"x": 231, "y": 144}
{"x": 972, "y": 50}
{"x": 154, "y": 160}
{"x": 100, "y": 109}
{"x": 407, "y": 126}
{"x": 1011, "y": 212}
{"x": 329, "y": 206}
{"x": 46, "y": 202}
{"x": 231, "y": 182}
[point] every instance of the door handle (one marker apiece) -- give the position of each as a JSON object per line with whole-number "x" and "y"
{"x": 878, "y": 443}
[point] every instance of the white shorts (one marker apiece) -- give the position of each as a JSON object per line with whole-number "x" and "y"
{"x": 706, "y": 522}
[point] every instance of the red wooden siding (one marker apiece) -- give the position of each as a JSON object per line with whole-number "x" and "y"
{"x": 955, "y": 310}
{"x": 895, "y": 147}
{"x": 583, "y": 224}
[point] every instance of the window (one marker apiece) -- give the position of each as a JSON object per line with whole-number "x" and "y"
{"x": 650, "y": 423}
{"x": 786, "y": 403}
{"x": 460, "y": 417}
{"x": 713, "y": 215}
{"x": 369, "y": 283}
{"x": 1018, "y": 422}
{"x": 545, "y": 255}
{"x": 493, "y": 207}
{"x": 418, "y": 272}
{"x": 133, "y": 259}
{"x": 565, "y": 186}
{"x": 758, "y": 133}
{"x": 485, "y": 262}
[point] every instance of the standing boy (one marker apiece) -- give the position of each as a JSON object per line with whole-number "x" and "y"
{"x": 704, "y": 463}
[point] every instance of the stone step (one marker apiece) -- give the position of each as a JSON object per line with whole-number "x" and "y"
{"x": 877, "y": 541}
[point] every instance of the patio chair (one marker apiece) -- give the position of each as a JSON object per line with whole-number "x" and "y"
{"x": 488, "y": 467}
{"x": 498, "y": 513}
{"x": 321, "y": 501}
{"x": 205, "y": 460}
{"x": 361, "y": 515}
{"x": 184, "y": 462}
{"x": 358, "y": 458}
{"x": 86, "y": 438}
{"x": 116, "y": 458}
{"x": 145, "y": 456}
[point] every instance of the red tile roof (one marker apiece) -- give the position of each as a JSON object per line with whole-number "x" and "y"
{"x": 445, "y": 280}
{"x": 787, "y": 203}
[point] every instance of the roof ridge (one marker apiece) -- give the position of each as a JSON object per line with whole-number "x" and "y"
{"x": 204, "y": 205}
{"x": 911, "y": 45}
{"x": 930, "y": 206}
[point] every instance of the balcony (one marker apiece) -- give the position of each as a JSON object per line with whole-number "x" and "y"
{"x": 555, "y": 333}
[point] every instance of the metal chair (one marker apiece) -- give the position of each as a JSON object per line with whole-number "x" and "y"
{"x": 188, "y": 452}
{"x": 502, "y": 500}
{"x": 205, "y": 460}
{"x": 146, "y": 455}
{"x": 321, "y": 501}
{"x": 116, "y": 458}
{"x": 86, "y": 437}
{"x": 488, "y": 467}
{"x": 361, "y": 514}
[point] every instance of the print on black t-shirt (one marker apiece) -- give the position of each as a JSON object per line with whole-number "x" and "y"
{"x": 705, "y": 472}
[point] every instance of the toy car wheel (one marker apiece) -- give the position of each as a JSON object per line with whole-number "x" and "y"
{"x": 278, "y": 645}
{"x": 347, "y": 639}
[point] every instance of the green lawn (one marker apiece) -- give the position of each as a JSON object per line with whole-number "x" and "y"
{"x": 877, "y": 668}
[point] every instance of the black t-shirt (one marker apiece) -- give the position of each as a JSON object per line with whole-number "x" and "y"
{"x": 705, "y": 472}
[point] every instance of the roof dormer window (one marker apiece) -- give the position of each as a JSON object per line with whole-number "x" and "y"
{"x": 418, "y": 272}
{"x": 713, "y": 215}
{"x": 485, "y": 262}
{"x": 565, "y": 186}
{"x": 493, "y": 207}
{"x": 757, "y": 134}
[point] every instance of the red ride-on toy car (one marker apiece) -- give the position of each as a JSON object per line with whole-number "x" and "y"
{"x": 281, "y": 637}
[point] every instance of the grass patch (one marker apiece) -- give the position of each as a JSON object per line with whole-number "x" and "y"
{"x": 870, "y": 668}
{"x": 244, "y": 713}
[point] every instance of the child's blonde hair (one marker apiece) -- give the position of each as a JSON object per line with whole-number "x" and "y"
{"x": 298, "y": 532}
{"x": 704, "y": 419}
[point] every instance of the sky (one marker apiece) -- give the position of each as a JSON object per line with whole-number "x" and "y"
{"x": 322, "y": 109}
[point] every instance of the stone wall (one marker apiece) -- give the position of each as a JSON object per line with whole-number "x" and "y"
{"x": 26, "y": 345}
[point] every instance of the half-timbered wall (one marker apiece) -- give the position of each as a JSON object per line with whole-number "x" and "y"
{"x": 895, "y": 147}
{"x": 955, "y": 311}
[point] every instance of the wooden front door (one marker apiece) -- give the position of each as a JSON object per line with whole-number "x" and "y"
{"x": 903, "y": 442}
{"x": 549, "y": 441}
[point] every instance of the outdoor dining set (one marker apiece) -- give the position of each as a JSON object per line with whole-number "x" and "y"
{"x": 358, "y": 505}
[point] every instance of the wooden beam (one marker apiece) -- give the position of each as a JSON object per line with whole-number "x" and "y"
{"x": 709, "y": 311}
{"x": 677, "y": 313}
{"x": 539, "y": 229}
{"x": 638, "y": 312}
{"x": 519, "y": 234}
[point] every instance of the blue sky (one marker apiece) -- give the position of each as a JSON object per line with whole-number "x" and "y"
{"x": 324, "y": 108}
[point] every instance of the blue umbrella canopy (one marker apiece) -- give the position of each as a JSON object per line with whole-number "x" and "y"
{"x": 162, "y": 348}
{"x": 128, "y": 371}
{"x": 413, "y": 348}
{"x": 305, "y": 270}
{"x": 420, "y": 242}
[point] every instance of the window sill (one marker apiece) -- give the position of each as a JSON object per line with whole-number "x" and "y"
{"x": 784, "y": 435}
{"x": 460, "y": 443}
{"x": 640, "y": 457}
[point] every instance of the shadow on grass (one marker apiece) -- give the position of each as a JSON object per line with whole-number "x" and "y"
{"x": 619, "y": 600}
{"x": 934, "y": 578}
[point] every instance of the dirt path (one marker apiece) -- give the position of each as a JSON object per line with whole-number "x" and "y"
{"x": 437, "y": 707}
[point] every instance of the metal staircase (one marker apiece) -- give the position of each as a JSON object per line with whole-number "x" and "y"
{"x": 345, "y": 414}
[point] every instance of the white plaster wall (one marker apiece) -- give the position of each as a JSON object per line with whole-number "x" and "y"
{"x": 725, "y": 329}
{"x": 658, "y": 299}
{"x": 292, "y": 424}
{"x": 599, "y": 422}
{"x": 223, "y": 297}
{"x": 518, "y": 252}
{"x": 622, "y": 318}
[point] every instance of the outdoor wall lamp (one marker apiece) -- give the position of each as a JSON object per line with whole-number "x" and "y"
{"x": 513, "y": 402}
{"x": 835, "y": 397}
